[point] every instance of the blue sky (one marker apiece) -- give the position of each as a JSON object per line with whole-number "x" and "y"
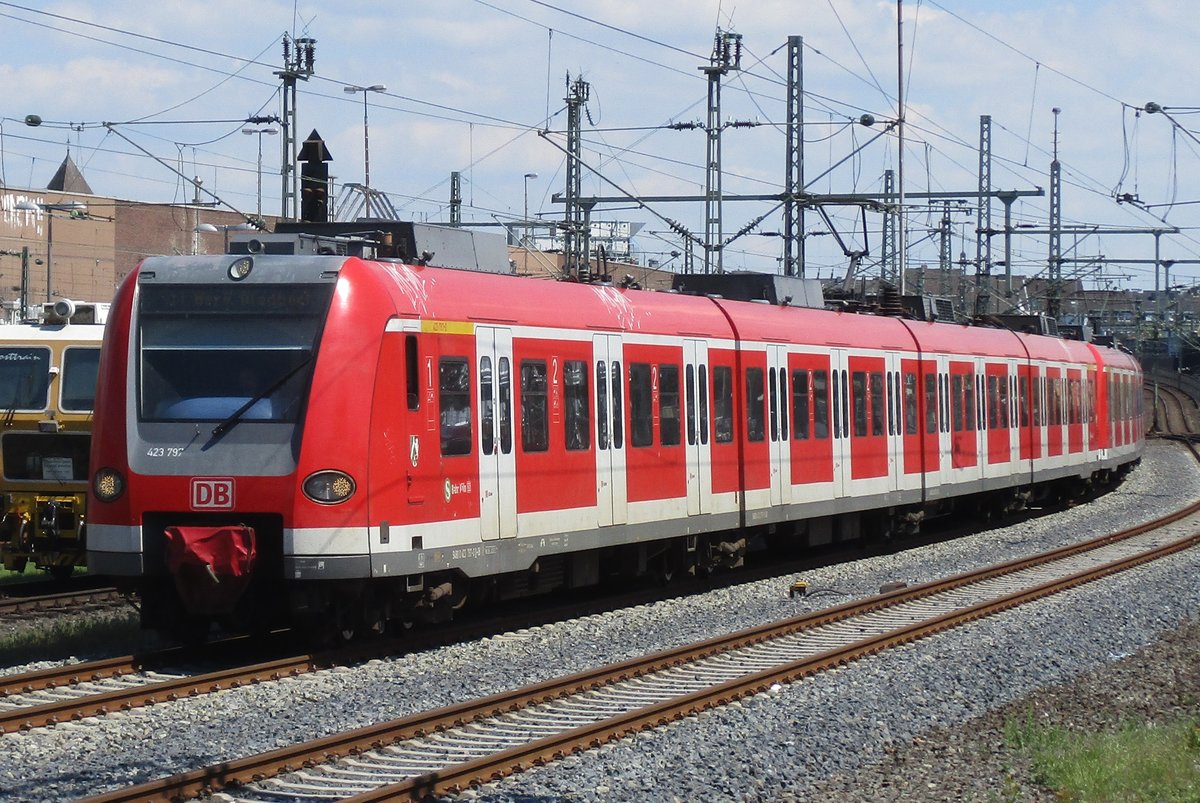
{"x": 470, "y": 83}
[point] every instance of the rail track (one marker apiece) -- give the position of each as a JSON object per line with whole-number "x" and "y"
{"x": 1175, "y": 412}
{"x": 454, "y": 748}
{"x": 77, "y": 600}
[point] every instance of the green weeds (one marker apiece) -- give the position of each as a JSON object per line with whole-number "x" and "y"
{"x": 1136, "y": 762}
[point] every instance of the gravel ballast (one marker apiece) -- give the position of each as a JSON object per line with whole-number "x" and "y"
{"x": 822, "y": 736}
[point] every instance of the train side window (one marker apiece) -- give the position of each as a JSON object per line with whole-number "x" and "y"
{"x": 703, "y": 404}
{"x": 576, "y": 421}
{"x": 1036, "y": 401}
{"x": 943, "y": 402}
{"x": 1024, "y": 404}
{"x": 1003, "y": 407}
{"x": 602, "y": 411}
{"x": 858, "y": 386}
{"x": 618, "y": 433}
{"x": 993, "y": 396}
{"x": 783, "y": 405}
{"x": 486, "y": 413}
{"x": 535, "y": 435}
{"x": 931, "y": 403}
{"x": 956, "y": 402}
{"x": 722, "y": 404}
{"x": 837, "y": 406}
{"x": 820, "y": 384}
{"x": 969, "y": 403}
{"x": 689, "y": 401}
{"x": 773, "y": 396}
{"x": 668, "y": 405}
{"x": 641, "y": 413}
{"x": 412, "y": 372}
{"x": 755, "y": 430}
{"x": 845, "y": 403}
{"x": 891, "y": 405}
{"x": 875, "y": 387}
{"x": 80, "y": 367}
{"x": 504, "y": 384}
{"x": 454, "y": 405}
{"x": 1014, "y": 400}
{"x": 800, "y": 405}
{"x": 910, "y": 403}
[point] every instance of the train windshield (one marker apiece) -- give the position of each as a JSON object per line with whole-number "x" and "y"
{"x": 79, "y": 379}
{"x": 24, "y": 377}
{"x": 209, "y": 350}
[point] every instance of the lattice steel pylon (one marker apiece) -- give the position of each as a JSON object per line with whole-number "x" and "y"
{"x": 455, "y": 198}
{"x": 726, "y": 56}
{"x": 983, "y": 228}
{"x": 575, "y": 250}
{"x": 297, "y": 66}
{"x": 793, "y": 210}
{"x": 889, "y": 268}
{"x": 1054, "y": 258}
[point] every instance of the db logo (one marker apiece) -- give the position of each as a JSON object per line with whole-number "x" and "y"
{"x": 212, "y": 493}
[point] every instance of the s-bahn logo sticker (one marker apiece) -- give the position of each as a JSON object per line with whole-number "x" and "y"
{"x": 212, "y": 493}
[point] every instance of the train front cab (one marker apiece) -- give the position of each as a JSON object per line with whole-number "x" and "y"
{"x": 206, "y": 374}
{"x": 47, "y": 389}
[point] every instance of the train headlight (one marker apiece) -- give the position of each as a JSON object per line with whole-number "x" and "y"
{"x": 329, "y": 487}
{"x": 108, "y": 484}
{"x": 240, "y": 269}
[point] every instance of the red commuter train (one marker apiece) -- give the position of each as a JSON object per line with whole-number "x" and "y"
{"x": 281, "y": 437}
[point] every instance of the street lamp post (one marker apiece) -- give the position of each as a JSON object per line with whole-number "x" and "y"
{"x": 366, "y": 147}
{"x": 76, "y": 209}
{"x": 525, "y": 220}
{"x": 260, "y": 131}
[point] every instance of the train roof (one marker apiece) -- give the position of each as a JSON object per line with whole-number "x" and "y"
{"x": 447, "y": 294}
{"x": 12, "y": 333}
{"x": 766, "y": 322}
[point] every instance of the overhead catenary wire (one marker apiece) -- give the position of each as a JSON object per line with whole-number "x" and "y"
{"x": 619, "y": 153}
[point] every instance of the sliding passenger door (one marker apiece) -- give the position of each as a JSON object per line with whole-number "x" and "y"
{"x": 497, "y": 461}
{"x": 778, "y": 412}
{"x": 699, "y": 457}
{"x": 839, "y": 386}
{"x": 611, "y": 497}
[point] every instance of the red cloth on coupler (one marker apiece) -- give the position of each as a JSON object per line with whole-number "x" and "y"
{"x": 211, "y": 565}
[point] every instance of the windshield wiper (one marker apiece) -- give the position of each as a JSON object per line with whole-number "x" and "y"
{"x": 229, "y": 423}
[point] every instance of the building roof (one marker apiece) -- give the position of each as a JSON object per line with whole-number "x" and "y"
{"x": 69, "y": 179}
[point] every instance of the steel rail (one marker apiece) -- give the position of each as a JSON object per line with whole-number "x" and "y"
{"x": 70, "y": 675}
{"x": 287, "y": 759}
{"x": 155, "y": 692}
{"x": 56, "y": 602}
{"x": 459, "y": 777}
